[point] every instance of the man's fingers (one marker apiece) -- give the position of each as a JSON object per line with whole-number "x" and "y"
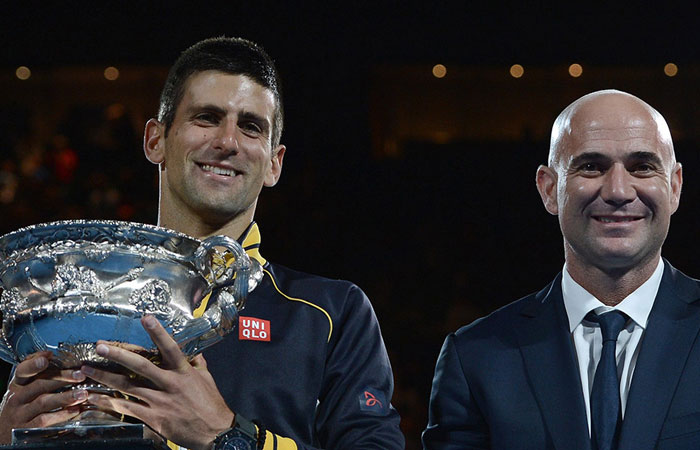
{"x": 63, "y": 376}
{"x": 39, "y": 410}
{"x": 198, "y": 362}
{"x": 50, "y": 402}
{"x": 118, "y": 382}
{"x": 118, "y": 405}
{"x": 52, "y": 418}
{"x": 26, "y": 394}
{"x": 113, "y": 380}
{"x": 69, "y": 375}
{"x": 33, "y": 365}
{"x": 129, "y": 360}
{"x": 169, "y": 350}
{"x": 36, "y": 366}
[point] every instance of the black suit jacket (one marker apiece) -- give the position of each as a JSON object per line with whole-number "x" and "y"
{"x": 511, "y": 380}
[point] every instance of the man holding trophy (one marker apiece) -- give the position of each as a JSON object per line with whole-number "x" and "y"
{"x": 306, "y": 369}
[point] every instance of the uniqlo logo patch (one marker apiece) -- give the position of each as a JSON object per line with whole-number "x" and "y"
{"x": 252, "y": 329}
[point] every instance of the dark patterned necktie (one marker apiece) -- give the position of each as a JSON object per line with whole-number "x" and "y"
{"x": 606, "y": 412}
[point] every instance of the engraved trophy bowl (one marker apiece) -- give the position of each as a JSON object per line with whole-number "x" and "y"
{"x": 66, "y": 285}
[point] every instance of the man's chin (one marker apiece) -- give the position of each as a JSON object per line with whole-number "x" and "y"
{"x": 216, "y": 213}
{"x": 624, "y": 260}
{"x": 612, "y": 254}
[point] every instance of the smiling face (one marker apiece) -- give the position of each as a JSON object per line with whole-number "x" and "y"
{"x": 613, "y": 181}
{"x": 217, "y": 155}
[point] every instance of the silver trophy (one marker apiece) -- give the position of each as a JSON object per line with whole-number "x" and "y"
{"x": 66, "y": 285}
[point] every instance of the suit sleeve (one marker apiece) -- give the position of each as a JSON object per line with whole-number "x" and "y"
{"x": 354, "y": 409}
{"x": 454, "y": 419}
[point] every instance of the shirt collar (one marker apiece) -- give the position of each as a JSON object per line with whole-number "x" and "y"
{"x": 250, "y": 241}
{"x": 579, "y": 302}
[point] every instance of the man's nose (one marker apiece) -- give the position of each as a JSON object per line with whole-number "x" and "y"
{"x": 226, "y": 139}
{"x": 618, "y": 186}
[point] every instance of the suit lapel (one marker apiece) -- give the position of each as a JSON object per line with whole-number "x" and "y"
{"x": 551, "y": 366}
{"x": 672, "y": 328}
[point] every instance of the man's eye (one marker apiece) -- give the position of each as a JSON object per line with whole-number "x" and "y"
{"x": 644, "y": 168}
{"x": 206, "y": 117}
{"x": 589, "y": 167}
{"x": 251, "y": 127}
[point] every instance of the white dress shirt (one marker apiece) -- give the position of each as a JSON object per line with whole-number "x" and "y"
{"x": 587, "y": 337}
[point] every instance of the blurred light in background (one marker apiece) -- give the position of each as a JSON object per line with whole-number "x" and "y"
{"x": 439, "y": 71}
{"x": 23, "y": 72}
{"x": 111, "y": 73}
{"x": 575, "y": 70}
{"x": 114, "y": 111}
{"x": 516, "y": 71}
{"x": 671, "y": 69}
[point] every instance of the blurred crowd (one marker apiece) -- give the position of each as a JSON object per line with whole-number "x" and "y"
{"x": 85, "y": 169}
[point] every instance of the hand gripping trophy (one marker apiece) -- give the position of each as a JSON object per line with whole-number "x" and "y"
{"x": 66, "y": 285}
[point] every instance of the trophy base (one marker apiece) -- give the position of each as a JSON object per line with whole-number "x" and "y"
{"x": 120, "y": 444}
{"x": 89, "y": 436}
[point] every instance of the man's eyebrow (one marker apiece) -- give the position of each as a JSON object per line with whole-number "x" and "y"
{"x": 206, "y": 107}
{"x": 588, "y": 157}
{"x": 262, "y": 122}
{"x": 646, "y": 156}
{"x": 637, "y": 156}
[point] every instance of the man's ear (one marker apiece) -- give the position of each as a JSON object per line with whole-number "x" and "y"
{"x": 154, "y": 141}
{"x": 676, "y": 186}
{"x": 547, "y": 187}
{"x": 276, "y": 167}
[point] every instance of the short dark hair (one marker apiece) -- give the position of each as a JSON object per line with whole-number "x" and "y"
{"x": 234, "y": 56}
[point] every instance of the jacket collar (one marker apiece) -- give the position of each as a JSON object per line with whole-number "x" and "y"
{"x": 550, "y": 362}
{"x": 549, "y": 357}
{"x": 250, "y": 241}
{"x": 672, "y": 329}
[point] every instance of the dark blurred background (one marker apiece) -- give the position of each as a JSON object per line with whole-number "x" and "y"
{"x": 413, "y": 133}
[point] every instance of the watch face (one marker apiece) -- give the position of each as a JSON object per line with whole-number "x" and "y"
{"x": 237, "y": 443}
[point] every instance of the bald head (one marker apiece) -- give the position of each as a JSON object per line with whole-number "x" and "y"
{"x": 598, "y": 114}
{"x": 614, "y": 183}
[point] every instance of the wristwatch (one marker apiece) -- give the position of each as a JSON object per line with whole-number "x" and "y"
{"x": 243, "y": 436}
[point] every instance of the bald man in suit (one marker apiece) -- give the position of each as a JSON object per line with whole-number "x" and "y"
{"x": 527, "y": 376}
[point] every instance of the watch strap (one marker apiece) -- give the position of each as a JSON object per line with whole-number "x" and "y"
{"x": 246, "y": 427}
{"x": 262, "y": 434}
{"x": 242, "y": 428}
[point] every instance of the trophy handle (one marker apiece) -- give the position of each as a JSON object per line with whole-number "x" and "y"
{"x": 6, "y": 353}
{"x": 233, "y": 274}
{"x": 239, "y": 277}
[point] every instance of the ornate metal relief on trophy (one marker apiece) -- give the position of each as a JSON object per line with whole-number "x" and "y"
{"x": 66, "y": 285}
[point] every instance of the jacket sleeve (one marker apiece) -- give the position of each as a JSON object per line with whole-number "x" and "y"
{"x": 454, "y": 419}
{"x": 354, "y": 407}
